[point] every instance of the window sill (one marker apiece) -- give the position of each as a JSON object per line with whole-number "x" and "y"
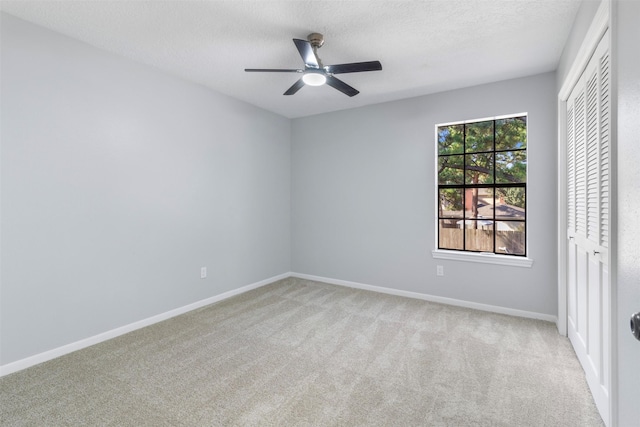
{"x": 484, "y": 258}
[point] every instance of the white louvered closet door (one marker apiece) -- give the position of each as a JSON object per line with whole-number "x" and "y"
{"x": 588, "y": 291}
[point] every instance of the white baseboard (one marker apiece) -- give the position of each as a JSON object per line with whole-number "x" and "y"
{"x": 78, "y": 345}
{"x": 433, "y": 298}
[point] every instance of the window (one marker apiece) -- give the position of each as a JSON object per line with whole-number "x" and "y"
{"x": 482, "y": 186}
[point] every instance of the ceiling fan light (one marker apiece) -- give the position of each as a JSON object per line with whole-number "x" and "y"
{"x": 314, "y": 79}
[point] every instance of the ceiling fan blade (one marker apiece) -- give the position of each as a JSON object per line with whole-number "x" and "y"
{"x": 296, "y": 87}
{"x": 273, "y": 70}
{"x": 341, "y": 86}
{"x": 354, "y": 67}
{"x": 306, "y": 52}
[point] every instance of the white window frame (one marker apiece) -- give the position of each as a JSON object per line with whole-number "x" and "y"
{"x": 479, "y": 257}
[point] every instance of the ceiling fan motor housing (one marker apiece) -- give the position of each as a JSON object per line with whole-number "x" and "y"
{"x": 316, "y": 39}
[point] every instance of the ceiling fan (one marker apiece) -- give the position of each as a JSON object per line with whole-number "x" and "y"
{"x": 315, "y": 73}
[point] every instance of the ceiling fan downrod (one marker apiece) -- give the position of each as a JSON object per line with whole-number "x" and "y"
{"x": 316, "y": 40}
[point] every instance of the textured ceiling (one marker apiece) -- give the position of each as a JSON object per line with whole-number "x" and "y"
{"x": 424, "y": 46}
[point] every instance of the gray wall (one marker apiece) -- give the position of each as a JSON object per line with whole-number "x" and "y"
{"x": 118, "y": 183}
{"x": 587, "y": 11}
{"x": 363, "y": 196}
{"x": 626, "y": 35}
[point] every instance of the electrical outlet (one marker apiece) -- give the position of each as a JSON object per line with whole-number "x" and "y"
{"x": 203, "y": 272}
{"x": 439, "y": 270}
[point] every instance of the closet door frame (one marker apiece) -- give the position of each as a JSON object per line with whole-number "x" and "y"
{"x": 599, "y": 26}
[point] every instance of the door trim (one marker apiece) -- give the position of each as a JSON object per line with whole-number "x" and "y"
{"x": 598, "y": 27}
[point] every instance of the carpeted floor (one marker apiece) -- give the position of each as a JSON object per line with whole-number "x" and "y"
{"x": 302, "y": 353}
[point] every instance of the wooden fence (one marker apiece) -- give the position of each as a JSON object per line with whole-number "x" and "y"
{"x": 482, "y": 240}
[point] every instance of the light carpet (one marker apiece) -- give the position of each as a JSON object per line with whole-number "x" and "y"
{"x": 303, "y": 353}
